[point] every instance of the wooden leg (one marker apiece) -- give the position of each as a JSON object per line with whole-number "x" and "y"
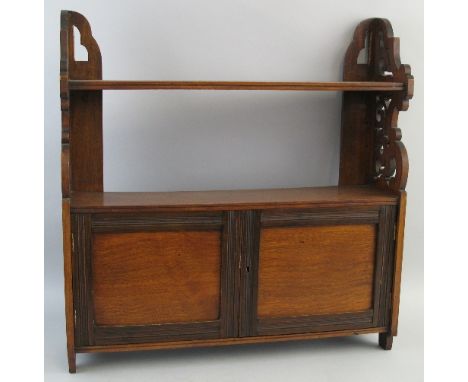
{"x": 385, "y": 341}
{"x": 71, "y": 361}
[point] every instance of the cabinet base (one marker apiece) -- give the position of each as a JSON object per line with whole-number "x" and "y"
{"x": 385, "y": 341}
{"x": 72, "y": 362}
{"x": 221, "y": 342}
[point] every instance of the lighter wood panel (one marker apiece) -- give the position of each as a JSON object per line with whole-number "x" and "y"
{"x": 156, "y": 277}
{"x": 316, "y": 270}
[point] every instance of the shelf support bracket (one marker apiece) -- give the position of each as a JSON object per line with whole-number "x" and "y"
{"x": 82, "y": 146}
{"x": 371, "y": 147}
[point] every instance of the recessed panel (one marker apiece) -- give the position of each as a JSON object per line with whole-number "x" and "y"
{"x": 156, "y": 277}
{"x": 316, "y": 270}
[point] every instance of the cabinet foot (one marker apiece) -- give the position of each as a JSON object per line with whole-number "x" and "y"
{"x": 385, "y": 341}
{"x": 72, "y": 362}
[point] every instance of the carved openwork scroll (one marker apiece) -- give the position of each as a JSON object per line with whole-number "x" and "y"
{"x": 390, "y": 157}
{"x": 372, "y": 150}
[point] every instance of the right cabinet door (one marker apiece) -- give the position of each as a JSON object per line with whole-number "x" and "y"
{"x": 321, "y": 270}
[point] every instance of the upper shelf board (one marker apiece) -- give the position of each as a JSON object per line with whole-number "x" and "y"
{"x": 231, "y": 85}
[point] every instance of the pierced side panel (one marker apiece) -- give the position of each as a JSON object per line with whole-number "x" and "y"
{"x": 356, "y": 140}
{"x": 82, "y": 147}
{"x": 371, "y": 147}
{"x": 78, "y": 70}
{"x": 86, "y": 141}
{"x": 390, "y": 156}
{"x": 65, "y": 153}
{"x": 374, "y": 55}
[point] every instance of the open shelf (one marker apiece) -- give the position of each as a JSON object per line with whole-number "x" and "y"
{"x": 229, "y": 85}
{"x": 232, "y": 200}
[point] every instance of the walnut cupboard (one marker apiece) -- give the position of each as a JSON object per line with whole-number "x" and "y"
{"x": 158, "y": 270}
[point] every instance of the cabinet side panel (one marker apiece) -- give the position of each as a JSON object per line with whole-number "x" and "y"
{"x": 156, "y": 277}
{"x": 385, "y": 269}
{"x": 400, "y": 230}
{"x": 68, "y": 283}
{"x": 356, "y": 153}
{"x": 86, "y": 144}
{"x": 82, "y": 167}
{"x": 316, "y": 270}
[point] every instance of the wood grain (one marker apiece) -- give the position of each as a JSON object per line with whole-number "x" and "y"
{"x": 249, "y": 237}
{"x": 141, "y": 222}
{"x": 82, "y": 144}
{"x": 81, "y": 168}
{"x": 79, "y": 70}
{"x": 320, "y": 216}
{"x": 230, "y": 278}
{"x": 385, "y": 340}
{"x": 226, "y": 341}
{"x": 86, "y": 141}
{"x": 82, "y": 279}
{"x": 137, "y": 334}
{"x": 315, "y": 323}
{"x": 316, "y": 270}
{"x": 234, "y": 85}
{"x": 371, "y": 147}
{"x": 400, "y": 231}
{"x": 232, "y": 199}
{"x": 356, "y": 142}
{"x": 385, "y": 264}
{"x": 68, "y": 284}
{"x": 210, "y": 268}
{"x": 156, "y": 277}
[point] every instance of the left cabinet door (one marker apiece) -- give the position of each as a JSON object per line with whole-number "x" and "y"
{"x": 153, "y": 277}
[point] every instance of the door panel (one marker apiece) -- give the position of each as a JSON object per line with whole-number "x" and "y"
{"x": 153, "y": 277}
{"x": 316, "y": 270}
{"x": 156, "y": 277}
{"x": 319, "y": 270}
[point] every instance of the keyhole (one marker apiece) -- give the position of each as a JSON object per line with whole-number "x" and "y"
{"x": 80, "y": 52}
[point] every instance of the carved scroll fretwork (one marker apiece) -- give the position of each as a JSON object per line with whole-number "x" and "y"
{"x": 390, "y": 157}
{"x": 372, "y": 150}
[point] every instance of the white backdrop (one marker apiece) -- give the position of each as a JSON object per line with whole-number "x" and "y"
{"x": 182, "y": 140}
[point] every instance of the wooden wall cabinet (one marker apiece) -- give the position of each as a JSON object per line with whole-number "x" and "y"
{"x": 185, "y": 269}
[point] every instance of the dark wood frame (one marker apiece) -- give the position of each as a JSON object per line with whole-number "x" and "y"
{"x": 383, "y": 217}
{"x": 372, "y": 156}
{"x": 87, "y": 333}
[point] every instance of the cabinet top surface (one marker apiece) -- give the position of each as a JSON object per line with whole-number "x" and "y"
{"x": 334, "y": 196}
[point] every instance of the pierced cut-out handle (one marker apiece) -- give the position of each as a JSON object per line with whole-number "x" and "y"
{"x": 363, "y": 55}
{"x": 71, "y": 68}
{"x": 80, "y": 53}
{"x": 76, "y": 37}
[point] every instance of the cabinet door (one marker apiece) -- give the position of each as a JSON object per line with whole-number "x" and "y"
{"x": 319, "y": 270}
{"x": 141, "y": 278}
